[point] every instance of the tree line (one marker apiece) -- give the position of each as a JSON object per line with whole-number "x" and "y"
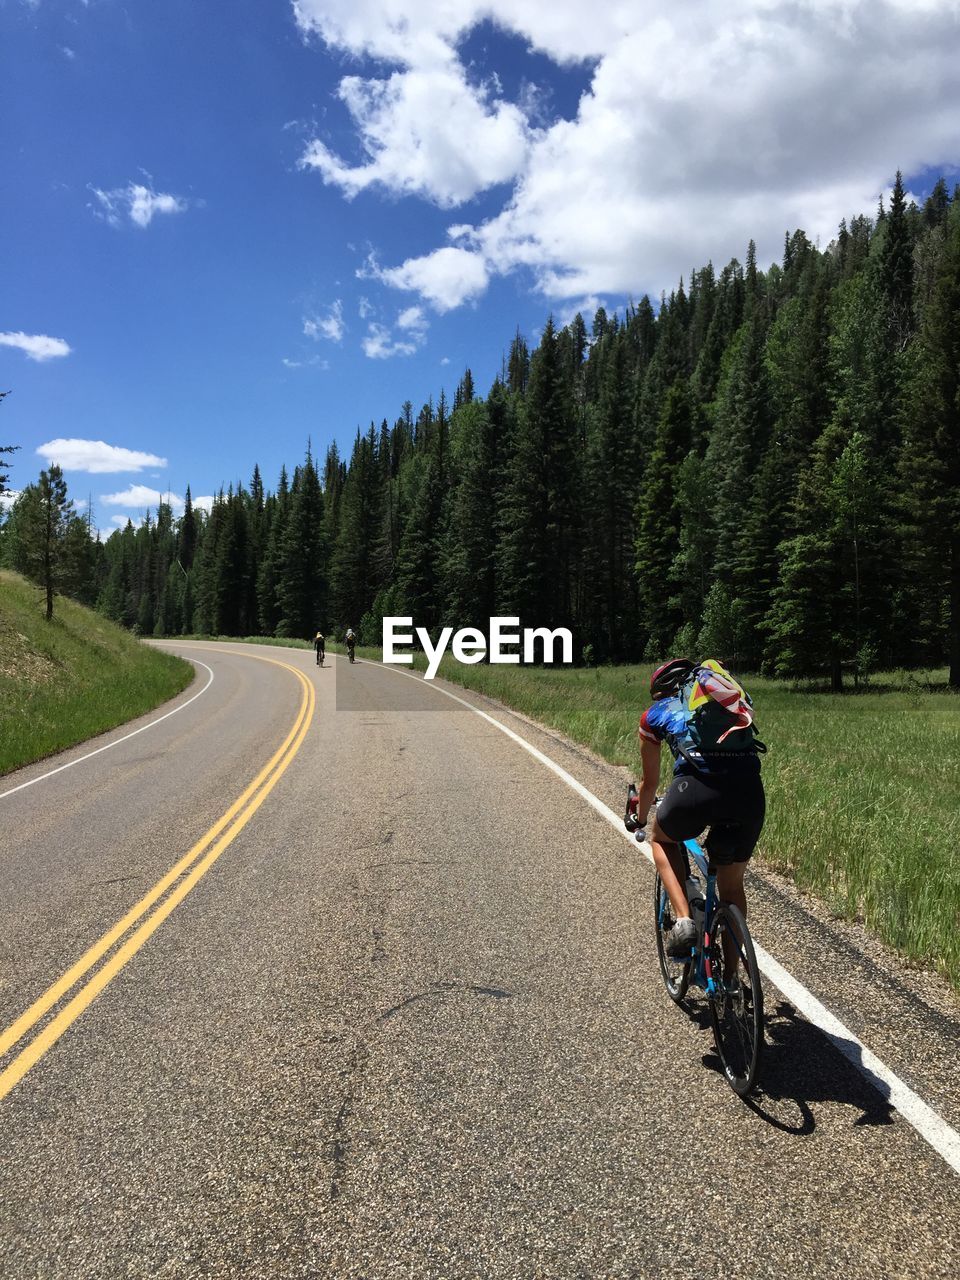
{"x": 765, "y": 466}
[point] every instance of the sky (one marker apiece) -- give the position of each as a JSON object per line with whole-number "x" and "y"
{"x": 234, "y": 229}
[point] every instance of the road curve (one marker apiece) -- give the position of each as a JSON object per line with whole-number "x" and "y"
{"x": 409, "y": 1021}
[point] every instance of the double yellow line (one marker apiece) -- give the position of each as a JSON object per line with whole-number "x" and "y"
{"x": 184, "y": 876}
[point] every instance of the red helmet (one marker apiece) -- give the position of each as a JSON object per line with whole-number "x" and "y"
{"x": 668, "y": 677}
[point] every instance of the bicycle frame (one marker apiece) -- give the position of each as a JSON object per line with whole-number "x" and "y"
{"x": 702, "y": 975}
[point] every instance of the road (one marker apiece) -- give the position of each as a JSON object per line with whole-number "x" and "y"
{"x": 404, "y": 1018}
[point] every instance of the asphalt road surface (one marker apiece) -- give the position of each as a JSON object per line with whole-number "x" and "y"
{"x": 326, "y": 976}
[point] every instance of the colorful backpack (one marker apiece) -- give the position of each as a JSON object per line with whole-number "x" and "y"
{"x": 718, "y": 712}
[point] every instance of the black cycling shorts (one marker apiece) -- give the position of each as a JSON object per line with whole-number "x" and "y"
{"x": 732, "y": 806}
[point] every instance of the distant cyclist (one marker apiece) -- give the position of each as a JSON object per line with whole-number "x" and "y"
{"x": 320, "y": 645}
{"x": 706, "y": 719}
{"x": 351, "y": 640}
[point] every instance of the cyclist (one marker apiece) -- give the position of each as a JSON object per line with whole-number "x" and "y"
{"x": 351, "y": 640}
{"x": 320, "y": 645}
{"x": 719, "y": 788}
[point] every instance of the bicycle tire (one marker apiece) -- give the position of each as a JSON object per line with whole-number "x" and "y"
{"x": 675, "y": 973}
{"x": 736, "y": 1018}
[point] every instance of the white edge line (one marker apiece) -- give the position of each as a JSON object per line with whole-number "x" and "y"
{"x": 116, "y": 742}
{"x": 928, "y": 1124}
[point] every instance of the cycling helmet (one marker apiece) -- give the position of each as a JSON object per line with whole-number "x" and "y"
{"x": 668, "y": 677}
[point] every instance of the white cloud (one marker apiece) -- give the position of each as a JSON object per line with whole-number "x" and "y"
{"x": 138, "y": 496}
{"x": 365, "y": 308}
{"x": 96, "y": 456}
{"x": 315, "y": 362}
{"x": 138, "y": 202}
{"x": 204, "y": 502}
{"x": 36, "y": 346}
{"x": 426, "y": 131}
{"x": 330, "y": 326}
{"x": 413, "y": 321}
{"x": 8, "y": 498}
{"x": 67, "y": 52}
{"x": 379, "y": 344}
{"x": 445, "y": 278}
{"x": 703, "y": 126}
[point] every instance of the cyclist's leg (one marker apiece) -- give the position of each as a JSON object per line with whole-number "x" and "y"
{"x": 730, "y": 885}
{"x": 681, "y": 815}
{"x": 730, "y": 846}
{"x": 730, "y": 889}
{"x": 667, "y": 860}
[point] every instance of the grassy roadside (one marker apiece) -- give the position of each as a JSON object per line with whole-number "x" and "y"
{"x": 76, "y": 676}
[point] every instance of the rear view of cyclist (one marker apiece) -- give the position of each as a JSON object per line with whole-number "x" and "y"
{"x": 351, "y": 642}
{"x": 320, "y": 645}
{"x": 716, "y": 782}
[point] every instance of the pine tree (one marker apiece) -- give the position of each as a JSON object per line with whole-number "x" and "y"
{"x": 276, "y": 515}
{"x": 738, "y": 441}
{"x": 39, "y": 524}
{"x": 419, "y": 559}
{"x": 361, "y": 560}
{"x": 611, "y": 606}
{"x": 518, "y": 365}
{"x": 930, "y": 466}
{"x": 659, "y": 518}
{"x": 896, "y": 270}
{"x": 469, "y": 551}
{"x": 539, "y": 517}
{"x": 302, "y": 577}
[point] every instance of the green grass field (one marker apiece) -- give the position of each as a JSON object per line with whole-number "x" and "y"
{"x": 78, "y": 675}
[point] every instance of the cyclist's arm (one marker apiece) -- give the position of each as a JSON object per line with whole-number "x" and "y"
{"x": 650, "y": 762}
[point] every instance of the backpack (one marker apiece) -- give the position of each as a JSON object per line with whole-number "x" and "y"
{"x": 718, "y": 713}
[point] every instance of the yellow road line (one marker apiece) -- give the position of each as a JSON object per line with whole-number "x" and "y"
{"x": 239, "y": 814}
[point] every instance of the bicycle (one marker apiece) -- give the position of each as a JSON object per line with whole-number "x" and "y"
{"x": 734, "y": 1002}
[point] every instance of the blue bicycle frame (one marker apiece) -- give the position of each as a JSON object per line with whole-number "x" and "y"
{"x": 702, "y": 975}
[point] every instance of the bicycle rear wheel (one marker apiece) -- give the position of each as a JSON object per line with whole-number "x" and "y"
{"x": 675, "y": 973}
{"x": 736, "y": 1007}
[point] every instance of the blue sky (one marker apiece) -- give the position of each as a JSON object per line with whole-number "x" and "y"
{"x": 228, "y": 227}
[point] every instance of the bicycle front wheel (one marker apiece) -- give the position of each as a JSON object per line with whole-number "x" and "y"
{"x": 736, "y": 1004}
{"x": 675, "y": 973}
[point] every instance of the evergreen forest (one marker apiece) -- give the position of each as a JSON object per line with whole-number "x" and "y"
{"x": 763, "y": 466}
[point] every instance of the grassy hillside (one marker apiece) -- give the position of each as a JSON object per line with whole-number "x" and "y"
{"x": 66, "y": 680}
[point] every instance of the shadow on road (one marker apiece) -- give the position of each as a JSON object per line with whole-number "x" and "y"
{"x": 801, "y": 1067}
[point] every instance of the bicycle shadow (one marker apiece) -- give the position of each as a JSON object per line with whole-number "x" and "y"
{"x": 801, "y": 1067}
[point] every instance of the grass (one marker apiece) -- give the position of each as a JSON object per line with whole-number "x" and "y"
{"x": 68, "y": 679}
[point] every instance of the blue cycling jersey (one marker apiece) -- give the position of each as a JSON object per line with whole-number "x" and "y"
{"x": 667, "y": 721}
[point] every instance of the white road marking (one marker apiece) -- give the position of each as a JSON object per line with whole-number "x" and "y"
{"x": 117, "y": 741}
{"x": 928, "y": 1124}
